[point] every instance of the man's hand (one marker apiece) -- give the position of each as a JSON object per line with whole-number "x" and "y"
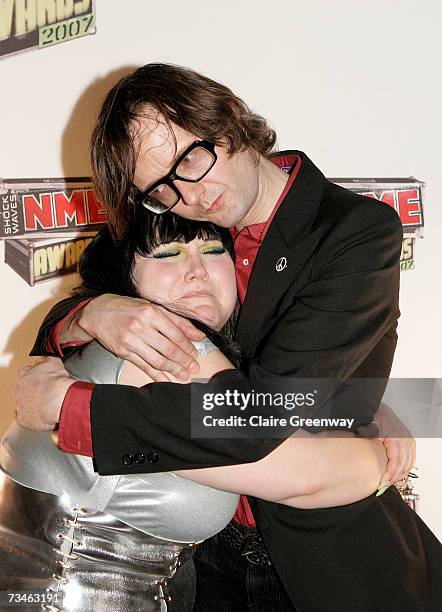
{"x": 39, "y": 394}
{"x": 399, "y": 444}
{"x": 149, "y": 336}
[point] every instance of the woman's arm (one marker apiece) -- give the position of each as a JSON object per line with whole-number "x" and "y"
{"x": 305, "y": 471}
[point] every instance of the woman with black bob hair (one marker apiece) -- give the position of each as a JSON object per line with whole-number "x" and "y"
{"x": 127, "y": 541}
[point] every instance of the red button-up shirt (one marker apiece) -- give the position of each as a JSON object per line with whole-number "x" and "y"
{"x": 75, "y": 434}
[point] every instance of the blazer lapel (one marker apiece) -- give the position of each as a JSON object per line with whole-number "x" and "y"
{"x": 287, "y": 246}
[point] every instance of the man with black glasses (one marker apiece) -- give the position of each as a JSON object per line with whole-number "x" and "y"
{"x": 322, "y": 302}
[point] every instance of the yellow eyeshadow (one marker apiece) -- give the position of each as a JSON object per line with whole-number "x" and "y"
{"x": 179, "y": 247}
{"x": 170, "y": 247}
{"x": 213, "y": 244}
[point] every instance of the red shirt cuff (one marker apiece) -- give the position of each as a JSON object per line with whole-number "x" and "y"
{"x": 75, "y": 433}
{"x": 53, "y": 344}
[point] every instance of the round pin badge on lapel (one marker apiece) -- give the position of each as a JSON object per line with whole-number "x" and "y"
{"x": 281, "y": 264}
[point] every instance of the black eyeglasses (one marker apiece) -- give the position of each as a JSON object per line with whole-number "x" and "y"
{"x": 193, "y": 165}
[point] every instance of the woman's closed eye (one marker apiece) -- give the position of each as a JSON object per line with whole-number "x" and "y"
{"x": 164, "y": 254}
{"x": 214, "y": 250}
{"x": 176, "y": 251}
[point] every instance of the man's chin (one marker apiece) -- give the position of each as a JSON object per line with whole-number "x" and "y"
{"x": 225, "y": 217}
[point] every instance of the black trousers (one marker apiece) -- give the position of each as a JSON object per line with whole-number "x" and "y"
{"x": 228, "y": 582}
{"x": 375, "y": 555}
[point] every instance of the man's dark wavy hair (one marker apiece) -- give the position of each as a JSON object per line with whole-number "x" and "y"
{"x": 196, "y": 103}
{"x": 106, "y": 265}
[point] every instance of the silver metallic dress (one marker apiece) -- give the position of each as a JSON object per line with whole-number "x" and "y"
{"x": 84, "y": 542}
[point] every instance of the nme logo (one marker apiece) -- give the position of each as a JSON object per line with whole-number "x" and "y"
{"x": 58, "y": 210}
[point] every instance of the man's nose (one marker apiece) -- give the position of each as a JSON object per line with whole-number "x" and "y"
{"x": 196, "y": 268}
{"x": 191, "y": 193}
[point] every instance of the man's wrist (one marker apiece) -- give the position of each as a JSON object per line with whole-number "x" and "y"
{"x": 76, "y": 328}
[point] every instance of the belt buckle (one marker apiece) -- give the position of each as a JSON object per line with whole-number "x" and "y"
{"x": 253, "y": 550}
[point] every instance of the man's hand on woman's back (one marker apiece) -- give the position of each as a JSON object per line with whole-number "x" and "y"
{"x": 39, "y": 394}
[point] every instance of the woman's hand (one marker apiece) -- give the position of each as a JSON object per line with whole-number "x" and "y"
{"x": 398, "y": 441}
{"x": 401, "y": 456}
{"x": 152, "y": 338}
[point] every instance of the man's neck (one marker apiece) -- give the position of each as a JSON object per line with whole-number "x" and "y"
{"x": 271, "y": 183}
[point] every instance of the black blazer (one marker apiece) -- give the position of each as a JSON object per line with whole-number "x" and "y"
{"x": 330, "y": 313}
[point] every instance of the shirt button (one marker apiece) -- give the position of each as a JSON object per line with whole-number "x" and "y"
{"x": 153, "y": 458}
{"x": 245, "y": 262}
{"x": 139, "y": 458}
{"x": 127, "y": 459}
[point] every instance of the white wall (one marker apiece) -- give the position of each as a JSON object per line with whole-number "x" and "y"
{"x": 355, "y": 85}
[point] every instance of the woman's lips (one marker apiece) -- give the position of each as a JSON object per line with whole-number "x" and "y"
{"x": 197, "y": 294}
{"x": 215, "y": 206}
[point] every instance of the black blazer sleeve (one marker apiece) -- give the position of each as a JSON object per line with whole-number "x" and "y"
{"x": 341, "y": 323}
{"x": 56, "y": 314}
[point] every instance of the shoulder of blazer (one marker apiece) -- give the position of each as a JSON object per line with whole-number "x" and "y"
{"x": 348, "y": 221}
{"x": 314, "y": 204}
{"x": 338, "y": 202}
